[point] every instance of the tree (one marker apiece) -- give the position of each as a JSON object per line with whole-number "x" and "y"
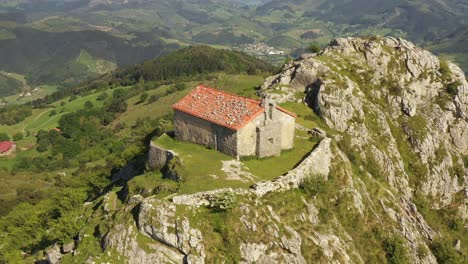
{"x": 395, "y": 250}
{"x": 180, "y": 86}
{"x": 43, "y": 146}
{"x": 102, "y": 96}
{"x": 452, "y": 88}
{"x": 118, "y": 106}
{"x": 314, "y": 48}
{"x": 223, "y": 201}
{"x": 18, "y": 136}
{"x": 88, "y": 105}
{"x": 153, "y": 98}
{"x": 4, "y": 137}
{"x": 252, "y": 70}
{"x": 143, "y": 97}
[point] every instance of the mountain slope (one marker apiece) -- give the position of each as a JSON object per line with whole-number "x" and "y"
{"x": 50, "y": 58}
{"x": 385, "y": 183}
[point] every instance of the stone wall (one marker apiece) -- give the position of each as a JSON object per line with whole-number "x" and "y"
{"x": 193, "y": 129}
{"x": 196, "y": 130}
{"x": 226, "y": 140}
{"x": 264, "y": 136}
{"x": 203, "y": 198}
{"x": 158, "y": 157}
{"x": 269, "y": 140}
{"x": 247, "y": 137}
{"x": 287, "y": 129}
{"x": 316, "y": 164}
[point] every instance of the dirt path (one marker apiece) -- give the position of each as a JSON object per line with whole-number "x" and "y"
{"x": 37, "y": 117}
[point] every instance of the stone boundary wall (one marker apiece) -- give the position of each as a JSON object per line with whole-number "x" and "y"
{"x": 202, "y": 198}
{"x": 317, "y": 163}
{"x": 158, "y": 157}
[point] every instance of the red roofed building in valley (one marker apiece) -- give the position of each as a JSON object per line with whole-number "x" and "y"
{"x": 232, "y": 124}
{"x": 7, "y": 147}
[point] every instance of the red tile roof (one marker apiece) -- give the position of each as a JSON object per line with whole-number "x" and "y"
{"x": 225, "y": 109}
{"x": 6, "y": 146}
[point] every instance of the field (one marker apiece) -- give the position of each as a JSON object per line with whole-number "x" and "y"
{"x": 38, "y": 92}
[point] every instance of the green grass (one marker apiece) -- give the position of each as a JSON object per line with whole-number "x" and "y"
{"x": 95, "y": 65}
{"x": 41, "y": 92}
{"x": 78, "y": 103}
{"x": 305, "y": 116}
{"x": 198, "y": 177}
{"x": 243, "y": 85}
{"x": 10, "y": 183}
{"x": 6, "y": 34}
{"x": 157, "y": 109}
{"x": 210, "y": 176}
{"x": 152, "y": 184}
{"x": 270, "y": 168}
{"x": 40, "y": 119}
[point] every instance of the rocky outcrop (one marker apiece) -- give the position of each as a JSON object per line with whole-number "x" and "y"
{"x": 366, "y": 88}
{"x": 53, "y": 255}
{"x": 157, "y": 220}
{"x": 169, "y": 239}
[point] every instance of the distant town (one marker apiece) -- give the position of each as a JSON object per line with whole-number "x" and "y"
{"x": 265, "y": 52}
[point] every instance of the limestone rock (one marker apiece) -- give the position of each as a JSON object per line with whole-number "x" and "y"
{"x": 123, "y": 239}
{"x": 251, "y": 253}
{"x": 457, "y": 245}
{"x": 157, "y": 220}
{"x": 69, "y": 247}
{"x": 362, "y": 87}
{"x": 459, "y": 134}
{"x": 318, "y": 132}
{"x": 53, "y": 255}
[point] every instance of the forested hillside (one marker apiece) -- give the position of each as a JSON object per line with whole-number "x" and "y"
{"x": 191, "y": 61}
{"x": 44, "y": 40}
{"x": 56, "y": 57}
{"x": 103, "y": 128}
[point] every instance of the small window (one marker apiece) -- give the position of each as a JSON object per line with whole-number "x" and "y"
{"x": 271, "y": 140}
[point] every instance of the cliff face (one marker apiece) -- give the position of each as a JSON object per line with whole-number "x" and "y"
{"x": 393, "y": 186}
{"x": 384, "y": 93}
